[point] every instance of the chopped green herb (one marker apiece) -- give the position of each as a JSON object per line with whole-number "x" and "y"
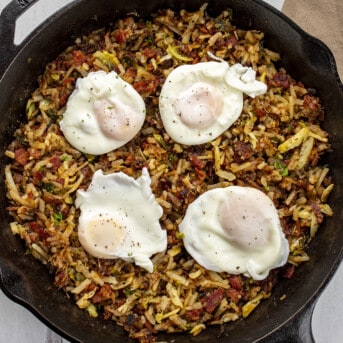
{"x": 48, "y": 186}
{"x": 160, "y": 141}
{"x": 128, "y": 291}
{"x": 149, "y": 39}
{"x": 282, "y": 167}
{"x": 52, "y": 114}
{"x": 64, "y": 158}
{"x": 284, "y": 172}
{"x": 58, "y": 217}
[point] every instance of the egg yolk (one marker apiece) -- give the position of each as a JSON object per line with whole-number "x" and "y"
{"x": 116, "y": 120}
{"x": 200, "y": 105}
{"x": 104, "y": 235}
{"x": 244, "y": 224}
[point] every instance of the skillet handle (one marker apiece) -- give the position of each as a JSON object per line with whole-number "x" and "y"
{"x": 8, "y": 18}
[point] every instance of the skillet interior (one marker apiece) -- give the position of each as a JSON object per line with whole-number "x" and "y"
{"x": 26, "y": 281}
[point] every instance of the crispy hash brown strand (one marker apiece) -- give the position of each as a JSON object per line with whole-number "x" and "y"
{"x": 274, "y": 146}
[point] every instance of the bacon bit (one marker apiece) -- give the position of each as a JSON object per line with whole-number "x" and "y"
{"x": 87, "y": 173}
{"x": 105, "y": 293}
{"x": 17, "y": 178}
{"x": 288, "y": 271}
{"x": 35, "y": 227}
{"x": 213, "y": 299}
{"x": 120, "y": 37}
{"x": 234, "y": 294}
{"x": 194, "y": 315}
{"x": 62, "y": 279}
{"x": 141, "y": 86}
{"x": 299, "y": 230}
{"x": 314, "y": 157}
{"x": 188, "y": 196}
{"x": 65, "y": 211}
{"x": 260, "y": 112}
{"x": 236, "y": 282}
{"x": 60, "y": 180}
{"x": 280, "y": 80}
{"x": 64, "y": 95}
{"x": 130, "y": 74}
{"x": 37, "y": 177}
{"x": 89, "y": 288}
{"x": 62, "y": 63}
{"x": 242, "y": 151}
{"x": 196, "y": 162}
{"x": 56, "y": 162}
{"x": 79, "y": 57}
{"x": 212, "y": 30}
{"x": 268, "y": 287}
{"x": 203, "y": 29}
{"x": 107, "y": 312}
{"x": 286, "y": 227}
{"x": 129, "y": 160}
{"x": 311, "y": 102}
{"x": 232, "y": 41}
{"x": 268, "y": 283}
{"x": 146, "y": 86}
{"x": 68, "y": 80}
{"x": 35, "y": 153}
{"x": 201, "y": 175}
{"x": 33, "y": 237}
{"x": 151, "y": 329}
{"x": 50, "y": 198}
{"x": 317, "y": 212}
{"x": 148, "y": 52}
{"x": 119, "y": 302}
{"x": 21, "y": 156}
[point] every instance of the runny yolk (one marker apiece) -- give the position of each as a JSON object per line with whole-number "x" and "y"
{"x": 244, "y": 223}
{"x": 199, "y": 106}
{"x": 116, "y": 119}
{"x": 104, "y": 234}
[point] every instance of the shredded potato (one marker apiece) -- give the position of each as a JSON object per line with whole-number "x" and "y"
{"x": 274, "y": 146}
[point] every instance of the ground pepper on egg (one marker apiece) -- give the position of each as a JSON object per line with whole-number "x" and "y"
{"x": 274, "y": 146}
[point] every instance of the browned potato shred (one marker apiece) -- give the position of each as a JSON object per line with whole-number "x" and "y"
{"x": 274, "y": 146}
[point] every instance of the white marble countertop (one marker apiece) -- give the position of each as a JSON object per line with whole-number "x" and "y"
{"x": 18, "y": 325}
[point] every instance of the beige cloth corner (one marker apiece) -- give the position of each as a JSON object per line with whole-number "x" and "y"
{"x": 322, "y": 19}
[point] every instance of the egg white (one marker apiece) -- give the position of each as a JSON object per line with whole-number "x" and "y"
{"x": 120, "y": 219}
{"x": 183, "y": 103}
{"x": 235, "y": 230}
{"x": 102, "y": 114}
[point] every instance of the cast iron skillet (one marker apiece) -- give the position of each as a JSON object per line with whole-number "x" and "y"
{"x": 27, "y": 282}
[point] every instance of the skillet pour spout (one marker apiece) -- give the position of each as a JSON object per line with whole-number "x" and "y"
{"x": 26, "y": 281}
